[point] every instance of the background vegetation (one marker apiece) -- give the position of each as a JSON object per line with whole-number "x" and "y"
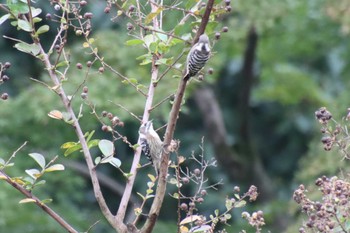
{"x": 276, "y": 65}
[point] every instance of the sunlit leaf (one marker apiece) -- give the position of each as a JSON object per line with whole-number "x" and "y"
{"x": 4, "y": 18}
{"x": 134, "y": 42}
{"x": 151, "y": 177}
{"x": 34, "y": 173}
{"x": 33, "y": 49}
{"x": 2, "y": 177}
{"x": 184, "y": 229}
{"x": 35, "y": 11}
{"x": 137, "y": 211}
{"x": 106, "y": 147}
{"x": 190, "y": 219}
{"x": 151, "y": 15}
{"x": 39, "y": 158}
{"x": 41, "y": 182}
{"x": 89, "y": 135}
{"x": 26, "y": 200}
{"x": 72, "y": 149}
{"x": 55, "y": 114}
{"x": 49, "y": 200}
{"x": 150, "y": 185}
{"x": 86, "y": 45}
{"x": 55, "y": 167}
{"x": 68, "y": 145}
{"x": 24, "y": 25}
{"x": 149, "y": 191}
{"x": 97, "y": 160}
{"x": 216, "y": 212}
{"x": 93, "y": 143}
{"x": 43, "y": 29}
{"x": 240, "y": 204}
{"x": 115, "y": 162}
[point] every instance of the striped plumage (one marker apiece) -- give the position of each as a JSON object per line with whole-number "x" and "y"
{"x": 151, "y": 144}
{"x": 197, "y": 57}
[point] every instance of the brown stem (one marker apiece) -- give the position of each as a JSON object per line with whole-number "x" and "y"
{"x": 137, "y": 155}
{"x": 173, "y": 116}
{"x": 37, "y": 202}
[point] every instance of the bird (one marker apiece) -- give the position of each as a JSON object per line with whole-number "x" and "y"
{"x": 151, "y": 144}
{"x": 197, "y": 57}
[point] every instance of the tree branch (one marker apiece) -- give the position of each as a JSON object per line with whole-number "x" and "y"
{"x": 137, "y": 155}
{"x": 173, "y": 116}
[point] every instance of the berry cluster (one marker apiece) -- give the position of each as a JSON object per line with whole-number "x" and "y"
{"x": 4, "y": 78}
{"x": 332, "y": 212}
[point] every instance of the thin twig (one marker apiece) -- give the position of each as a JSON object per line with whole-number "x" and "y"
{"x": 14, "y": 154}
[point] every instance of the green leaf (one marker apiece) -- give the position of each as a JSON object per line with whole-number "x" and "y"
{"x": 34, "y": 173}
{"x": 151, "y": 177}
{"x": 41, "y": 182}
{"x": 163, "y": 37}
{"x": 26, "y": 200}
{"x": 150, "y": 38}
{"x": 37, "y": 20}
{"x": 93, "y": 143}
{"x": 28, "y": 48}
{"x": 151, "y": 15}
{"x": 39, "y": 158}
{"x": 55, "y": 167}
{"x": 72, "y": 149}
{"x": 49, "y": 200}
{"x": 17, "y": 7}
{"x": 97, "y": 160}
{"x": 35, "y": 11}
{"x": 4, "y": 18}
{"x": 115, "y": 162}
{"x": 43, "y": 29}
{"x": 149, "y": 191}
{"x": 24, "y": 25}
{"x": 144, "y": 56}
{"x": 68, "y": 145}
{"x": 216, "y": 212}
{"x": 134, "y": 42}
{"x": 145, "y": 62}
{"x": 89, "y": 135}
{"x": 240, "y": 204}
{"x": 106, "y": 147}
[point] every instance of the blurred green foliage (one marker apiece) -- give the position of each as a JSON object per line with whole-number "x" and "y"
{"x": 303, "y": 55}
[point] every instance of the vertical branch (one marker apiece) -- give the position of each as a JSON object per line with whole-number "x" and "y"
{"x": 148, "y": 106}
{"x": 169, "y": 133}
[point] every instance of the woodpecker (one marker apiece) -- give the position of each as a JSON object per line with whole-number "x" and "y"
{"x": 197, "y": 57}
{"x": 151, "y": 144}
